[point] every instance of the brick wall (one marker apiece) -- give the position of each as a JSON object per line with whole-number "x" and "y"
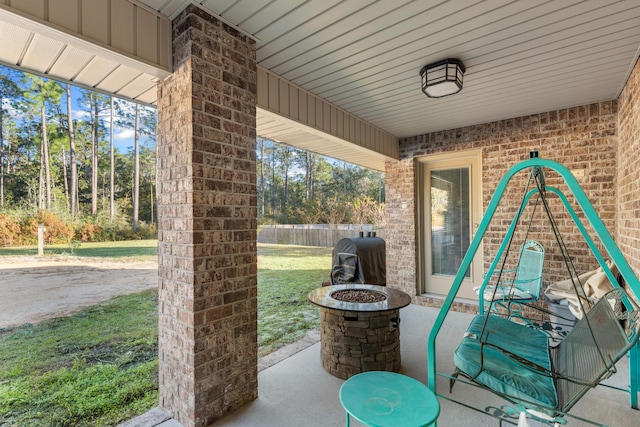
{"x": 629, "y": 170}
{"x": 207, "y": 223}
{"x": 582, "y": 138}
{"x": 401, "y": 228}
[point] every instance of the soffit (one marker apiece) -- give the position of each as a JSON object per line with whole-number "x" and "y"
{"x": 295, "y": 134}
{"x": 37, "y": 46}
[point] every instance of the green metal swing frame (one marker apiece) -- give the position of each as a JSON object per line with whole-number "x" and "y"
{"x": 614, "y": 253}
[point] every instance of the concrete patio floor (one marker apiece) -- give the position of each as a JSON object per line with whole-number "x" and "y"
{"x": 298, "y": 392}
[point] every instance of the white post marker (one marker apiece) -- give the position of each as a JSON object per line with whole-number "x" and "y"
{"x": 41, "y": 231}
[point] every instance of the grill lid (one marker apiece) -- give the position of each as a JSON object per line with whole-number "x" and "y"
{"x": 359, "y": 260}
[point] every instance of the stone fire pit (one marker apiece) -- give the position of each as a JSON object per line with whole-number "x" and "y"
{"x": 359, "y": 328}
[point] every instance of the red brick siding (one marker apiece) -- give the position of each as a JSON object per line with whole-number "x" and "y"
{"x": 629, "y": 170}
{"x": 581, "y": 138}
{"x": 207, "y": 222}
{"x": 400, "y": 229}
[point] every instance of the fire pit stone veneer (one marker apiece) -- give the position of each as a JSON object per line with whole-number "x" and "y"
{"x": 359, "y": 336}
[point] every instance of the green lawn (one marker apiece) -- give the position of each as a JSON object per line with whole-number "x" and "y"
{"x": 99, "y": 367}
{"x": 96, "y": 368}
{"x": 134, "y": 250}
{"x": 286, "y": 275}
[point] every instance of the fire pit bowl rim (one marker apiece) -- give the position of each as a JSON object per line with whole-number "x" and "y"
{"x": 395, "y": 298}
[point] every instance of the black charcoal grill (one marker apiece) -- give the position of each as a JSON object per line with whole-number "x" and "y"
{"x": 359, "y": 260}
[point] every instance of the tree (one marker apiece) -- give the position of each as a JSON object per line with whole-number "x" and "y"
{"x": 9, "y": 94}
{"x": 294, "y": 185}
{"x": 147, "y": 130}
{"x": 310, "y": 167}
{"x": 364, "y": 210}
{"x": 94, "y": 102}
{"x": 261, "y": 184}
{"x": 147, "y": 182}
{"x": 46, "y": 142}
{"x": 285, "y": 154}
{"x": 97, "y": 105}
{"x": 325, "y": 186}
{"x": 136, "y": 169}
{"x": 73, "y": 185}
{"x": 8, "y": 158}
{"x": 112, "y": 203}
{"x": 143, "y": 120}
{"x": 43, "y": 92}
{"x": 299, "y": 186}
{"x": 335, "y": 211}
{"x": 59, "y": 141}
{"x": 83, "y": 144}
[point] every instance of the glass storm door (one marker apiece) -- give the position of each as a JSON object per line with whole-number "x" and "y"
{"x": 452, "y": 212}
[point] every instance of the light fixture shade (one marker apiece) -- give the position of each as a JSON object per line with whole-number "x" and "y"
{"x": 442, "y": 78}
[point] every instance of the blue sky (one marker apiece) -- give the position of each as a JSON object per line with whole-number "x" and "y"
{"x": 123, "y": 137}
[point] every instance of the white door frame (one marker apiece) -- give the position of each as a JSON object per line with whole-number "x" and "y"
{"x": 439, "y": 284}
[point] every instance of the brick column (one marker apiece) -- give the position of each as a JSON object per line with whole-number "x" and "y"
{"x": 400, "y": 231}
{"x": 207, "y": 258}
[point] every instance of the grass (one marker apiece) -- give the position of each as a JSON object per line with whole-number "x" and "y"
{"x": 286, "y": 275}
{"x": 132, "y": 250}
{"x": 95, "y": 368}
{"x": 99, "y": 367}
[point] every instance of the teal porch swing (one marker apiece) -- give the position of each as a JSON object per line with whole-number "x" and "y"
{"x": 514, "y": 359}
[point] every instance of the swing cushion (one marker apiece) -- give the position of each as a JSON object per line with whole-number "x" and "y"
{"x": 503, "y": 372}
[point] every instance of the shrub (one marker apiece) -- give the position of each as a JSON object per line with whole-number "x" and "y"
{"x": 123, "y": 231}
{"x": 90, "y": 232}
{"x": 9, "y": 231}
{"x": 147, "y": 231}
{"x": 367, "y": 211}
{"x": 57, "y": 231}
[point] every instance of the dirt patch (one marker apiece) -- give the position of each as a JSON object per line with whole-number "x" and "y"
{"x": 33, "y": 289}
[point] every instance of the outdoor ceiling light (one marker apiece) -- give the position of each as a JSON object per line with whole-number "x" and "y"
{"x": 442, "y": 78}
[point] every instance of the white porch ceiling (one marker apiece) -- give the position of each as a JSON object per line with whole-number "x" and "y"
{"x": 35, "y": 47}
{"x": 364, "y": 57}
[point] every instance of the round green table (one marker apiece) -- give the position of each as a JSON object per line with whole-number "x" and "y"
{"x": 387, "y": 399}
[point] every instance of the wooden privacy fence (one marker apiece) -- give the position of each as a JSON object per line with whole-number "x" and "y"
{"x": 326, "y": 235}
